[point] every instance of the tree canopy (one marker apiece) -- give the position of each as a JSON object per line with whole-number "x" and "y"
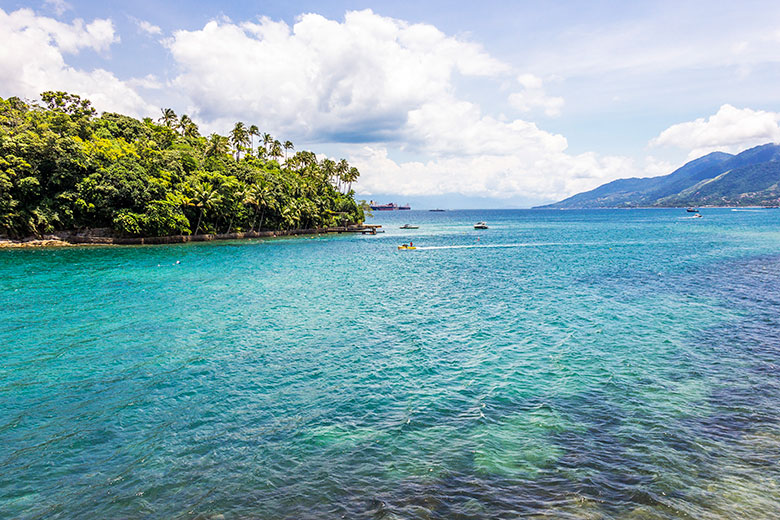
{"x": 62, "y": 167}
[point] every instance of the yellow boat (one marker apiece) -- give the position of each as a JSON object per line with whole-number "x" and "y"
{"x": 406, "y": 247}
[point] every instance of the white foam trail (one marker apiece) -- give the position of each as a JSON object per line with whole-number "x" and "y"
{"x": 534, "y": 244}
{"x": 489, "y": 246}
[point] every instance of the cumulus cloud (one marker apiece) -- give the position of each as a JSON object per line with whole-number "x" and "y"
{"x": 534, "y": 96}
{"x": 32, "y": 60}
{"x": 148, "y": 27}
{"x": 387, "y": 84}
{"x": 504, "y": 176}
{"x": 729, "y": 130}
{"x": 471, "y": 153}
{"x": 322, "y": 78}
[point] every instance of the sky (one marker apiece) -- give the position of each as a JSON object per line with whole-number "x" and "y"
{"x": 490, "y": 104}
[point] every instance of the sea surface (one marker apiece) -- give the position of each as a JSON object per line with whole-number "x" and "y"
{"x": 561, "y": 364}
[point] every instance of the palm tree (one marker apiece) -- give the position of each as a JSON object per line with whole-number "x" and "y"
{"x": 287, "y": 146}
{"x": 239, "y": 137}
{"x": 237, "y": 198}
{"x": 352, "y": 176}
{"x": 342, "y": 170}
{"x": 259, "y": 196}
{"x": 206, "y": 198}
{"x": 267, "y": 140}
{"x": 168, "y": 117}
{"x": 276, "y": 149}
{"x": 216, "y": 145}
{"x": 188, "y": 127}
{"x": 291, "y": 214}
{"x": 328, "y": 167}
{"x": 307, "y": 158}
{"x": 293, "y": 162}
{"x": 253, "y": 131}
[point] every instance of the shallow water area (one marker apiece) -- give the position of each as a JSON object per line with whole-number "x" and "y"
{"x": 567, "y": 364}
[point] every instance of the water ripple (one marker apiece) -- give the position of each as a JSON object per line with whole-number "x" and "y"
{"x": 569, "y": 365}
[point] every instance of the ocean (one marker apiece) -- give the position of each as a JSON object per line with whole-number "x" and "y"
{"x": 563, "y": 364}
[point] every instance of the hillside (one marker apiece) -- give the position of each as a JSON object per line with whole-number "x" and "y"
{"x": 63, "y": 167}
{"x": 716, "y": 179}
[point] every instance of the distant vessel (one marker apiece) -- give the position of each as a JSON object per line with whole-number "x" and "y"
{"x": 382, "y": 207}
{"x": 480, "y": 225}
{"x": 435, "y": 210}
{"x": 409, "y": 226}
{"x": 697, "y": 215}
{"x": 392, "y": 206}
{"x": 692, "y": 210}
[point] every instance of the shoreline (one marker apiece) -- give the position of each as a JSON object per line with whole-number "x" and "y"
{"x": 73, "y": 239}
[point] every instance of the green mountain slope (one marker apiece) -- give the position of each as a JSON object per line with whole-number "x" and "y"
{"x": 717, "y": 179}
{"x": 757, "y": 185}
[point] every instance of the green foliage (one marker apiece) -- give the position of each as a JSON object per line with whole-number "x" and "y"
{"x": 64, "y": 168}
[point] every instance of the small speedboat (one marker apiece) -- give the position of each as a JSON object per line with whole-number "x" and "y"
{"x": 480, "y": 225}
{"x": 404, "y": 247}
{"x": 697, "y": 215}
{"x": 692, "y": 210}
{"x": 409, "y": 226}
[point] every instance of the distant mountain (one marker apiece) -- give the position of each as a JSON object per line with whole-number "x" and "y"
{"x": 717, "y": 179}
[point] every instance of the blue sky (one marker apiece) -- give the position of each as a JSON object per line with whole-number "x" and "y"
{"x": 488, "y": 104}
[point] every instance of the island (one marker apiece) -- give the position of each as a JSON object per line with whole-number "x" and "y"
{"x": 65, "y": 170}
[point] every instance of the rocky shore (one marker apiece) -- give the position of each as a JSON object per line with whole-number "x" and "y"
{"x": 103, "y": 238}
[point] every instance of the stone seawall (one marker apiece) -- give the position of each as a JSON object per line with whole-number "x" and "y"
{"x": 89, "y": 238}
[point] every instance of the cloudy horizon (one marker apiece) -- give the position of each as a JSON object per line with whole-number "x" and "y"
{"x": 507, "y": 107}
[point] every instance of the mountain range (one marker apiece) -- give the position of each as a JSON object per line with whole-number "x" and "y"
{"x": 751, "y": 178}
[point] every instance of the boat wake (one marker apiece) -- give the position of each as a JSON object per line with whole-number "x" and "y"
{"x": 493, "y": 246}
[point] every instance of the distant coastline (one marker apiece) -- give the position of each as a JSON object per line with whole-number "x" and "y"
{"x": 753, "y": 206}
{"x": 748, "y": 179}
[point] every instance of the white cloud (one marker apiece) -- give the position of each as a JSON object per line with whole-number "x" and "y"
{"x": 534, "y": 96}
{"x": 148, "y": 27}
{"x": 478, "y": 155}
{"x": 505, "y": 176}
{"x": 729, "y": 130}
{"x": 321, "y": 77}
{"x": 32, "y": 61}
{"x": 59, "y": 6}
{"x": 373, "y": 78}
{"x": 150, "y": 81}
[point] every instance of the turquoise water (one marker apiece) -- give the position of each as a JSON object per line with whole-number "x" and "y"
{"x": 574, "y": 364}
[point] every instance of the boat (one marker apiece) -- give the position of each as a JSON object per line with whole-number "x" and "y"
{"x": 437, "y": 210}
{"x": 692, "y": 210}
{"x": 409, "y": 226}
{"x": 407, "y": 207}
{"x": 480, "y": 225}
{"x": 697, "y": 215}
{"x": 404, "y": 247}
{"x": 382, "y": 207}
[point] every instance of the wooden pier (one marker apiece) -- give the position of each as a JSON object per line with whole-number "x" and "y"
{"x": 371, "y": 229}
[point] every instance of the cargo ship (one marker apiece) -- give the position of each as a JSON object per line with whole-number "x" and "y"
{"x": 386, "y": 207}
{"x": 381, "y": 207}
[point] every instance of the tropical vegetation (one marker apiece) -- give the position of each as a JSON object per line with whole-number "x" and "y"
{"x": 63, "y": 167}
